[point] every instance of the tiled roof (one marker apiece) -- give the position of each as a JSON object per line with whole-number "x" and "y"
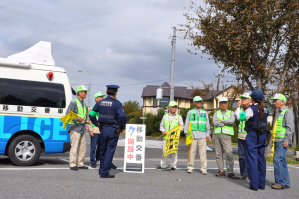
{"x": 179, "y": 92}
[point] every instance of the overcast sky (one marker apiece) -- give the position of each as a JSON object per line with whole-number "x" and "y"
{"x": 121, "y": 42}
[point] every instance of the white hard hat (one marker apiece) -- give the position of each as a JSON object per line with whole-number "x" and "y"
{"x": 223, "y": 99}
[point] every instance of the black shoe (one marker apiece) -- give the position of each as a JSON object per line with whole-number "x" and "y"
{"x": 113, "y": 166}
{"x": 108, "y": 176}
{"x": 161, "y": 169}
{"x": 74, "y": 168}
{"x": 84, "y": 167}
{"x": 287, "y": 187}
{"x": 172, "y": 169}
{"x": 93, "y": 165}
{"x": 250, "y": 187}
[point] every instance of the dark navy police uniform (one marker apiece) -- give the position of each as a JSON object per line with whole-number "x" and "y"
{"x": 255, "y": 145}
{"x": 110, "y": 115}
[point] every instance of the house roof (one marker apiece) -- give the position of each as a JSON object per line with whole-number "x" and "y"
{"x": 179, "y": 92}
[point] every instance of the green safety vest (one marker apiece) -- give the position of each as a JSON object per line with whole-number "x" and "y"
{"x": 229, "y": 130}
{"x": 198, "y": 123}
{"x": 280, "y": 130}
{"x": 97, "y": 116}
{"x": 174, "y": 123}
{"x": 241, "y": 128}
{"x": 81, "y": 112}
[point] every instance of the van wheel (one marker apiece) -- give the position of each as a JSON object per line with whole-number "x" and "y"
{"x": 24, "y": 150}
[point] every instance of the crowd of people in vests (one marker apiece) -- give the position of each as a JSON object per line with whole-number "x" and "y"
{"x": 252, "y": 135}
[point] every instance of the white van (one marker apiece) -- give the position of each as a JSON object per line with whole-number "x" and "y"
{"x": 34, "y": 94}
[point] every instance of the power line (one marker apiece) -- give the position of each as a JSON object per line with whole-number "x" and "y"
{"x": 130, "y": 84}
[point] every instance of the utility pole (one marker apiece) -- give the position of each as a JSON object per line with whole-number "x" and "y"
{"x": 219, "y": 76}
{"x": 173, "y": 42}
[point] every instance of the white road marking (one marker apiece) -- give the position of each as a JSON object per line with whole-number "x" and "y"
{"x": 119, "y": 168}
{"x": 293, "y": 166}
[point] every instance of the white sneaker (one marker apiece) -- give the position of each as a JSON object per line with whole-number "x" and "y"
{"x": 190, "y": 171}
{"x": 98, "y": 161}
{"x": 204, "y": 172}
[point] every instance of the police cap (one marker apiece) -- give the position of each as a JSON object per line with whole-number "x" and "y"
{"x": 257, "y": 94}
{"x": 112, "y": 87}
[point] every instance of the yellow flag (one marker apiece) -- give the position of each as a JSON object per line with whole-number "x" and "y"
{"x": 189, "y": 135}
{"x": 172, "y": 141}
{"x": 68, "y": 118}
{"x": 273, "y": 141}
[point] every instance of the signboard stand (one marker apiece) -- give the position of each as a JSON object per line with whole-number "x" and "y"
{"x": 134, "y": 148}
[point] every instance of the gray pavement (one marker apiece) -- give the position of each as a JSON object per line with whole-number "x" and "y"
{"x": 50, "y": 177}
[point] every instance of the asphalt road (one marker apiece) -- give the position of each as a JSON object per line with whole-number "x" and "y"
{"x": 51, "y": 177}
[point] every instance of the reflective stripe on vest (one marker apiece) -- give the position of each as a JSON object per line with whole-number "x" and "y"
{"x": 280, "y": 130}
{"x": 174, "y": 123}
{"x": 97, "y": 115}
{"x": 229, "y": 130}
{"x": 81, "y": 112}
{"x": 241, "y": 128}
{"x": 198, "y": 123}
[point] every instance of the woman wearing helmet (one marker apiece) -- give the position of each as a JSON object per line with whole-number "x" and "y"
{"x": 255, "y": 143}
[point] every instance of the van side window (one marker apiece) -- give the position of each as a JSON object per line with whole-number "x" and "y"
{"x": 31, "y": 93}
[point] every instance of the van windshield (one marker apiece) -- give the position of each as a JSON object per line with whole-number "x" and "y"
{"x": 31, "y": 93}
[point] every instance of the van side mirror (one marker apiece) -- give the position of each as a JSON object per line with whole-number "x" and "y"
{"x": 73, "y": 91}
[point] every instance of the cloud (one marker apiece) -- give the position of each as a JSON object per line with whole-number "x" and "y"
{"x": 120, "y": 42}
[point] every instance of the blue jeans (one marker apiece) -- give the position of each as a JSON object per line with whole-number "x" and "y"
{"x": 95, "y": 148}
{"x": 281, "y": 172}
{"x": 242, "y": 157}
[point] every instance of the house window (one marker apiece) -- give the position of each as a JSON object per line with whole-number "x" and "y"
{"x": 164, "y": 101}
{"x": 155, "y": 102}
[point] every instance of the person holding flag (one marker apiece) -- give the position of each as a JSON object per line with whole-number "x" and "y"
{"x": 224, "y": 120}
{"x": 283, "y": 136}
{"x": 200, "y": 127}
{"x": 170, "y": 121}
{"x": 77, "y": 129}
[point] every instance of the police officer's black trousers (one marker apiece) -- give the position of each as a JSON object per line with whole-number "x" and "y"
{"x": 255, "y": 160}
{"x": 108, "y": 142}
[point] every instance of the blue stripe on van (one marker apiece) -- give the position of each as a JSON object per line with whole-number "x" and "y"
{"x": 50, "y": 130}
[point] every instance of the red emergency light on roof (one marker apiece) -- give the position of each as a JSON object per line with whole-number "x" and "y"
{"x": 50, "y": 76}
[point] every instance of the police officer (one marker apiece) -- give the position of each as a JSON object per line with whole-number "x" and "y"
{"x": 110, "y": 117}
{"x": 255, "y": 142}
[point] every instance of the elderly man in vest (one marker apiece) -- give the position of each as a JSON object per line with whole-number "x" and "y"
{"x": 169, "y": 121}
{"x": 283, "y": 137}
{"x": 243, "y": 115}
{"x": 94, "y": 133}
{"x": 200, "y": 127}
{"x": 77, "y": 129}
{"x": 224, "y": 120}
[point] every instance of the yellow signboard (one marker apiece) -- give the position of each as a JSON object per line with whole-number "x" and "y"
{"x": 172, "y": 141}
{"x": 189, "y": 138}
{"x": 273, "y": 141}
{"x": 68, "y": 118}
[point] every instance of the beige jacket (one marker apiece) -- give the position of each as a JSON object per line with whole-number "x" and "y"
{"x": 89, "y": 127}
